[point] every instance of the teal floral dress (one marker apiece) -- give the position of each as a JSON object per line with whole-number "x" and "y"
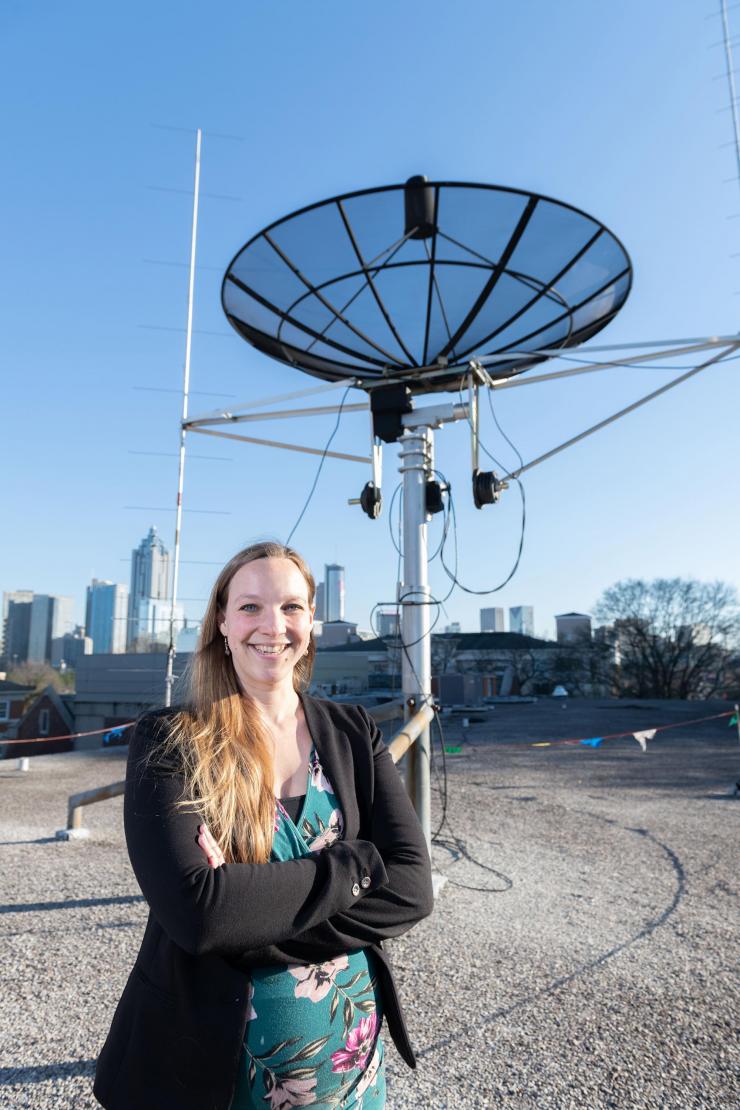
{"x": 313, "y": 1030}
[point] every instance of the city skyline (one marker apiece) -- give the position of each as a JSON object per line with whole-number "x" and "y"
{"x": 108, "y": 608}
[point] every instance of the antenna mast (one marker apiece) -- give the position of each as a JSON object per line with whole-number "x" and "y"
{"x": 169, "y": 675}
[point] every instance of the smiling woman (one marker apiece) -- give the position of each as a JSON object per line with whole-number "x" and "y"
{"x": 277, "y": 848}
{"x": 267, "y": 621}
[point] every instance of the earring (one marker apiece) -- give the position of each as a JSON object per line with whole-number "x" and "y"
{"x": 226, "y": 646}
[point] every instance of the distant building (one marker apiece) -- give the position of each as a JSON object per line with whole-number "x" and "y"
{"x": 334, "y": 633}
{"x": 152, "y": 623}
{"x": 106, "y": 614}
{"x": 187, "y": 639}
{"x": 697, "y": 635}
{"x": 453, "y": 629}
{"x": 521, "y": 620}
{"x": 320, "y": 613}
{"x": 67, "y": 650}
{"x": 112, "y": 690}
{"x": 348, "y": 668}
{"x": 573, "y": 628}
{"x": 13, "y": 698}
{"x": 47, "y": 714}
{"x": 465, "y": 667}
{"x": 16, "y": 625}
{"x": 150, "y": 571}
{"x": 51, "y": 618}
{"x": 492, "y": 620}
{"x": 388, "y": 623}
{"x": 334, "y": 592}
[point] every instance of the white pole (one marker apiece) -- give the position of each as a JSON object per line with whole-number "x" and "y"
{"x": 185, "y": 395}
{"x": 416, "y": 670}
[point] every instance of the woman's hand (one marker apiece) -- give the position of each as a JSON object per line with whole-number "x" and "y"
{"x": 213, "y": 853}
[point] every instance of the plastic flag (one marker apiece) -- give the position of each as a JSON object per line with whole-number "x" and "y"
{"x": 593, "y": 743}
{"x": 114, "y": 734}
{"x": 643, "y": 737}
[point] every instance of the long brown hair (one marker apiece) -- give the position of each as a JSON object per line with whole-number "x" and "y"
{"x": 220, "y": 737}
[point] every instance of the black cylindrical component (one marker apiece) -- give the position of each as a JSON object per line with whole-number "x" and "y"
{"x": 486, "y": 488}
{"x": 419, "y": 207}
{"x": 433, "y": 497}
{"x": 371, "y": 500}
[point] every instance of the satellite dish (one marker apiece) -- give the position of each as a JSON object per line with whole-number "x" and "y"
{"x": 409, "y": 283}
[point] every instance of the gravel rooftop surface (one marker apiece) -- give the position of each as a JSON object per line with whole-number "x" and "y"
{"x": 580, "y": 954}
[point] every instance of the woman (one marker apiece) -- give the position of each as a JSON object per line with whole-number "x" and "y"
{"x": 274, "y": 842}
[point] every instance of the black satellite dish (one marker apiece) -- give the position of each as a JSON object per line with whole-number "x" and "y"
{"x": 406, "y": 282}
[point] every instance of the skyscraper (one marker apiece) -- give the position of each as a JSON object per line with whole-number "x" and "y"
{"x": 153, "y": 622}
{"x": 492, "y": 620}
{"x": 334, "y": 592}
{"x": 106, "y": 614}
{"x": 521, "y": 619}
{"x": 51, "y": 618}
{"x": 67, "y": 650}
{"x": 16, "y": 625}
{"x": 320, "y": 602}
{"x": 150, "y": 570}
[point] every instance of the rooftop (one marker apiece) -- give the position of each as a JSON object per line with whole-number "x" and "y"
{"x": 466, "y": 641}
{"x": 566, "y": 921}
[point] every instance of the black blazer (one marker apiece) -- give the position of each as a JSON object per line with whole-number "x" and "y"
{"x": 177, "y": 1033}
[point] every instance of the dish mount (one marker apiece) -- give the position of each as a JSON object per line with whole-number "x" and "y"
{"x": 424, "y": 287}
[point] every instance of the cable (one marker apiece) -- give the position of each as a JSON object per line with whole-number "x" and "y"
{"x": 442, "y": 793}
{"x": 397, "y": 490}
{"x": 502, "y": 433}
{"x": 457, "y": 842}
{"x": 453, "y": 574}
{"x": 319, "y": 468}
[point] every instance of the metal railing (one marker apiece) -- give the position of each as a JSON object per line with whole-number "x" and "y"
{"x": 415, "y": 725}
{"x": 76, "y": 802}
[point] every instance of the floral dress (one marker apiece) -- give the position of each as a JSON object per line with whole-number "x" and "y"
{"x": 313, "y": 1030}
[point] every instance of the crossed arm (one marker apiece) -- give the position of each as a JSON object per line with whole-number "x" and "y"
{"x": 282, "y": 912}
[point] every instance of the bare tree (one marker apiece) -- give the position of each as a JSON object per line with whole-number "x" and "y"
{"x": 584, "y": 666}
{"x": 41, "y": 675}
{"x": 444, "y": 651}
{"x": 524, "y": 667}
{"x": 672, "y": 637}
{"x": 568, "y": 669}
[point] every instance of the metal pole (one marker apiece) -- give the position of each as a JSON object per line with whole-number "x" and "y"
{"x": 168, "y": 682}
{"x": 416, "y": 670}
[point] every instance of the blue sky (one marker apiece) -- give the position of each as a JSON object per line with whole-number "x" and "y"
{"x": 612, "y": 108}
